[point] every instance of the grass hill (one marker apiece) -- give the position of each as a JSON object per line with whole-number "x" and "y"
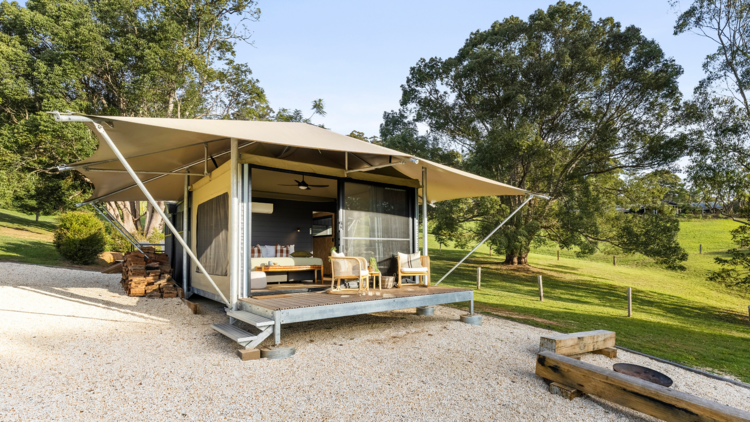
{"x": 676, "y": 315}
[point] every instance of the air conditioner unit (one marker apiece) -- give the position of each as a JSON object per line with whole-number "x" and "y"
{"x": 262, "y": 208}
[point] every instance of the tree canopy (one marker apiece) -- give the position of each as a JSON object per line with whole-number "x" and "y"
{"x": 562, "y": 105}
{"x": 154, "y": 58}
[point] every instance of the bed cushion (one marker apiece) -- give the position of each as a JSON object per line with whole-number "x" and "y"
{"x": 268, "y": 251}
{"x": 255, "y": 262}
{"x": 282, "y": 251}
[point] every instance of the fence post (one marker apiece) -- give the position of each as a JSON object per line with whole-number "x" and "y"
{"x": 479, "y": 278}
{"x": 700, "y": 248}
{"x": 541, "y": 289}
{"x": 558, "y": 254}
{"x": 614, "y": 260}
{"x": 630, "y": 302}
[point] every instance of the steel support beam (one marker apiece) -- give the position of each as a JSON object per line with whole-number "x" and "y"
{"x": 165, "y": 173}
{"x": 373, "y": 167}
{"x": 185, "y": 231}
{"x": 234, "y": 223}
{"x": 116, "y": 225}
{"x": 247, "y": 209}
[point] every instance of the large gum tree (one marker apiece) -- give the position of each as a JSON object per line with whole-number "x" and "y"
{"x": 563, "y": 105}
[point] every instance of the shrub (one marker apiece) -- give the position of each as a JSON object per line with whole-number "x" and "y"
{"x": 80, "y": 237}
{"x": 116, "y": 242}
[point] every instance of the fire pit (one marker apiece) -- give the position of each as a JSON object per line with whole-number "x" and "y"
{"x": 643, "y": 373}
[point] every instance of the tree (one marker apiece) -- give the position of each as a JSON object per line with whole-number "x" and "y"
{"x": 155, "y": 58}
{"x": 559, "y": 104}
{"x": 726, "y": 23}
{"x": 717, "y": 119}
{"x": 734, "y": 270}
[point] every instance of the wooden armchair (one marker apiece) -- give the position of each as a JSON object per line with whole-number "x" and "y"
{"x": 423, "y": 271}
{"x": 348, "y": 268}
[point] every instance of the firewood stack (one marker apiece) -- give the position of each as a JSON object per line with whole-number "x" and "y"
{"x": 148, "y": 277}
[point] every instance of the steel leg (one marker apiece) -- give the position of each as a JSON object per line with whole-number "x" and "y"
{"x": 277, "y": 328}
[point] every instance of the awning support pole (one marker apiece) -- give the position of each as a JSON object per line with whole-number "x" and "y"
{"x": 425, "y": 238}
{"x": 485, "y": 239}
{"x": 129, "y": 236}
{"x": 347, "y": 171}
{"x": 185, "y": 231}
{"x": 114, "y": 224}
{"x": 234, "y": 222}
{"x": 247, "y": 221}
{"x": 205, "y": 159}
{"x": 153, "y": 203}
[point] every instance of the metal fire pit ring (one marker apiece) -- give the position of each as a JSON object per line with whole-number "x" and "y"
{"x": 646, "y": 374}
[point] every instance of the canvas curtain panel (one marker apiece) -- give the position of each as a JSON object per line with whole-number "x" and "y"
{"x": 213, "y": 235}
{"x": 377, "y": 222}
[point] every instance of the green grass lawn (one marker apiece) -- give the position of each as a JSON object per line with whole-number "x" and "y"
{"x": 676, "y": 315}
{"x": 22, "y": 239}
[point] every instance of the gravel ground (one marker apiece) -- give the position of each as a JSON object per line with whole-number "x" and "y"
{"x": 74, "y": 347}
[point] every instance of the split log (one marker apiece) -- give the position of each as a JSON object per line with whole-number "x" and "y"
{"x": 577, "y": 343}
{"x": 564, "y": 391}
{"x": 643, "y": 396}
{"x": 113, "y": 269}
{"x": 609, "y": 352}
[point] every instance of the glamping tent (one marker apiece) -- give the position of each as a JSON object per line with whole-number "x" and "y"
{"x": 243, "y": 188}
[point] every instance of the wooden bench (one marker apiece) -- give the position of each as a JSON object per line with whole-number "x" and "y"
{"x": 573, "y": 376}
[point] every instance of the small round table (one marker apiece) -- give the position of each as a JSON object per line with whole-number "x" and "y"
{"x": 376, "y": 275}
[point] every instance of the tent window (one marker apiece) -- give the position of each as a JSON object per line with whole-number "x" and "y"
{"x": 213, "y": 235}
{"x": 376, "y": 223}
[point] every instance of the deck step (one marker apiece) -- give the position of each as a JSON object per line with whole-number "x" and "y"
{"x": 250, "y": 318}
{"x": 237, "y": 334}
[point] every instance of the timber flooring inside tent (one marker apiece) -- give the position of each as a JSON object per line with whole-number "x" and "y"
{"x": 307, "y": 300}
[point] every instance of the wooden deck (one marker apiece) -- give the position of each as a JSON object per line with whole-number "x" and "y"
{"x": 307, "y": 300}
{"x": 289, "y": 308}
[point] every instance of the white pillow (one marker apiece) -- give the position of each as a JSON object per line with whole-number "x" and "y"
{"x": 268, "y": 251}
{"x": 291, "y": 249}
{"x": 410, "y": 260}
{"x": 337, "y": 254}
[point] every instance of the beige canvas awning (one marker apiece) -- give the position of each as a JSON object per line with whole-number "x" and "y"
{"x": 166, "y": 145}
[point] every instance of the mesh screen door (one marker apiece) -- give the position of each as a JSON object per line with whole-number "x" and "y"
{"x": 212, "y": 237}
{"x": 376, "y": 223}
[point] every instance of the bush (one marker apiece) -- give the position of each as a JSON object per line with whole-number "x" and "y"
{"x": 80, "y": 237}
{"x": 116, "y": 242}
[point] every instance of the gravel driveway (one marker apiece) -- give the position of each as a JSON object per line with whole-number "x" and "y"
{"x": 74, "y": 347}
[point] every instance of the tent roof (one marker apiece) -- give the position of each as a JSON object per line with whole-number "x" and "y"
{"x": 164, "y": 145}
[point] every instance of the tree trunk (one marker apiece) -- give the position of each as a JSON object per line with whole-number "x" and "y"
{"x": 121, "y": 212}
{"x": 134, "y": 210}
{"x": 153, "y": 220}
{"x": 37, "y": 216}
{"x": 513, "y": 258}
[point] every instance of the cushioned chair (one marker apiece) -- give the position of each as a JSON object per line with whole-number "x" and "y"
{"x": 348, "y": 268}
{"x": 409, "y": 269}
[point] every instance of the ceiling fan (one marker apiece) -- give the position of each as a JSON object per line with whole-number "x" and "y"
{"x": 304, "y": 186}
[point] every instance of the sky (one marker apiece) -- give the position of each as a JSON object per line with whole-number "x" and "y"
{"x": 356, "y": 55}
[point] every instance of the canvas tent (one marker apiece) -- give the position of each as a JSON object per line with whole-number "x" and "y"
{"x": 164, "y": 159}
{"x": 167, "y": 145}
